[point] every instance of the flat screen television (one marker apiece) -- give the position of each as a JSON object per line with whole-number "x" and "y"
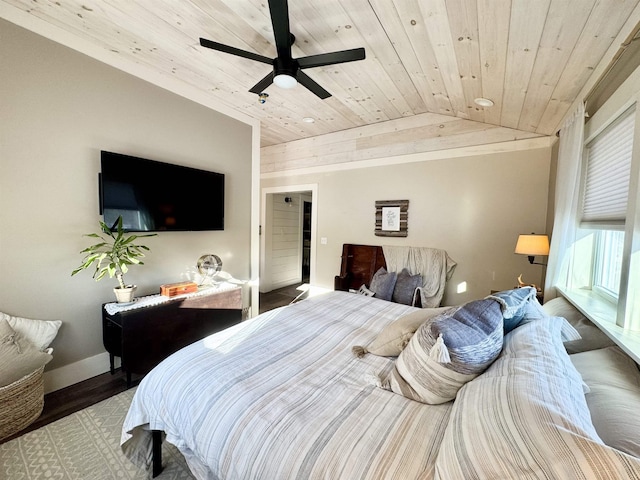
{"x": 154, "y": 196}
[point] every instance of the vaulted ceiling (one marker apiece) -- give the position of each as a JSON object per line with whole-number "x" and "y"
{"x": 532, "y": 58}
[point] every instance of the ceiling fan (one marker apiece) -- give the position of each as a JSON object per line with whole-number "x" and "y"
{"x": 287, "y": 71}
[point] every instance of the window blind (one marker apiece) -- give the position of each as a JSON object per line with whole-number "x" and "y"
{"x": 606, "y": 187}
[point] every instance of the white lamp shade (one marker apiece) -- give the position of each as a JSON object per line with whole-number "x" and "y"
{"x": 532, "y": 245}
{"x": 285, "y": 81}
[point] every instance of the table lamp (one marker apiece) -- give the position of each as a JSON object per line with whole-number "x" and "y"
{"x": 532, "y": 245}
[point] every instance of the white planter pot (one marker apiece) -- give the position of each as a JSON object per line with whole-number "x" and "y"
{"x": 125, "y": 295}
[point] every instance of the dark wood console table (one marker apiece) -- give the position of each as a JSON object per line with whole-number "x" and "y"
{"x": 143, "y": 337}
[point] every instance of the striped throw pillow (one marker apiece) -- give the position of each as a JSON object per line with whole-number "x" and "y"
{"x": 448, "y": 352}
{"x": 527, "y": 417}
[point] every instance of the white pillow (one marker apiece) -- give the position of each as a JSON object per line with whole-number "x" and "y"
{"x": 363, "y": 290}
{"x": 613, "y": 379}
{"x": 18, "y": 357}
{"x": 394, "y": 337}
{"x": 39, "y": 332}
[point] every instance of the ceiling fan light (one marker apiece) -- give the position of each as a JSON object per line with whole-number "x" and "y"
{"x": 285, "y": 81}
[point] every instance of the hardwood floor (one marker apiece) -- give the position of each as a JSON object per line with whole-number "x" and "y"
{"x": 68, "y": 400}
{"x": 278, "y": 298}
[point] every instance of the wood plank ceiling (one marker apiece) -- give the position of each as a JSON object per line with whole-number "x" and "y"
{"x": 530, "y": 57}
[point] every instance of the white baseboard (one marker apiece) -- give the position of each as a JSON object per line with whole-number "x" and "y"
{"x": 75, "y": 372}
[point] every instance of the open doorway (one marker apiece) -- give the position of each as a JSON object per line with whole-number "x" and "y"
{"x": 287, "y": 236}
{"x": 306, "y": 240}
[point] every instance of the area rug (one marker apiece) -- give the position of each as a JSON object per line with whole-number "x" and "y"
{"x": 84, "y": 445}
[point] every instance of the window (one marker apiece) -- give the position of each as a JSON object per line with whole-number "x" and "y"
{"x": 602, "y": 267}
{"x": 605, "y": 194}
{"x": 608, "y": 167}
{"x": 608, "y": 263}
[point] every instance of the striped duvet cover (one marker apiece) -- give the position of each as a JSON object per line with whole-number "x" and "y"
{"x": 281, "y": 396}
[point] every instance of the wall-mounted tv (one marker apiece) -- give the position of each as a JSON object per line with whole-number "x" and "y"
{"x": 154, "y": 196}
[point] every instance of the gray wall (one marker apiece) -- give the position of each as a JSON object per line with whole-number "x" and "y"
{"x": 474, "y": 207}
{"x": 58, "y": 109}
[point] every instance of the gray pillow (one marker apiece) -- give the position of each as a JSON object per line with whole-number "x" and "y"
{"x": 614, "y": 396}
{"x": 447, "y": 352}
{"x": 383, "y": 283}
{"x": 405, "y": 288}
{"x": 592, "y": 337}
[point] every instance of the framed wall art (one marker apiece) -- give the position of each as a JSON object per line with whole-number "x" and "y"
{"x": 392, "y": 218}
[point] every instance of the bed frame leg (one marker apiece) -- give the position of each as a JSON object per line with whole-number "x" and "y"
{"x": 156, "y": 452}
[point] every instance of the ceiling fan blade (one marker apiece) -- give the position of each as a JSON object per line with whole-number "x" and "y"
{"x": 259, "y": 87}
{"x": 332, "y": 58}
{"x": 281, "y": 31}
{"x": 235, "y": 51}
{"x": 306, "y": 81}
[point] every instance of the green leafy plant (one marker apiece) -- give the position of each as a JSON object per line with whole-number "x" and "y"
{"x": 113, "y": 254}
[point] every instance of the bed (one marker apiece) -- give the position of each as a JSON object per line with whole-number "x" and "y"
{"x": 282, "y": 396}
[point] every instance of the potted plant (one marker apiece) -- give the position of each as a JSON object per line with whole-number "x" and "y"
{"x": 113, "y": 255}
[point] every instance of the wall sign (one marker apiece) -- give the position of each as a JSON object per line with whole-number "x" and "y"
{"x": 391, "y": 218}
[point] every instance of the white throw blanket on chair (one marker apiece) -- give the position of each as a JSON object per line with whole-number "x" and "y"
{"x": 434, "y": 264}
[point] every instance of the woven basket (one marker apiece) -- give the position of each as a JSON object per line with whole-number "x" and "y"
{"x": 21, "y": 403}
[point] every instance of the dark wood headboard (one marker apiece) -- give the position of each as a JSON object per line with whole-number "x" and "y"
{"x": 359, "y": 264}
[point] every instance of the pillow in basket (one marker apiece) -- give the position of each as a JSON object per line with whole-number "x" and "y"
{"x": 39, "y": 332}
{"x": 18, "y": 356}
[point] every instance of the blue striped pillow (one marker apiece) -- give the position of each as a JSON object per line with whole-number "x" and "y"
{"x": 514, "y": 305}
{"x": 447, "y": 352}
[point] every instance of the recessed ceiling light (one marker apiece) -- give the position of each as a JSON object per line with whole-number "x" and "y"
{"x": 483, "y": 102}
{"x": 308, "y": 120}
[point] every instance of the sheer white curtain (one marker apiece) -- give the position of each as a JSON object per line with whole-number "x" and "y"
{"x": 566, "y": 201}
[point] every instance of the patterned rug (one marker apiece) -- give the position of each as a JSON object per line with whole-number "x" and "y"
{"x": 82, "y": 446}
